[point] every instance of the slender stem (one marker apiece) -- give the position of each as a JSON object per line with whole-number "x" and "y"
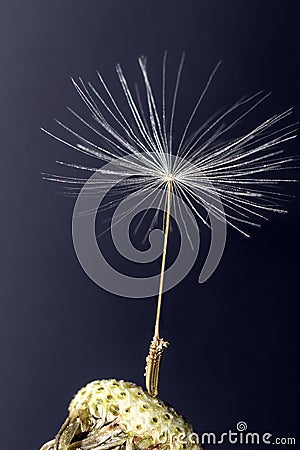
{"x": 163, "y": 261}
{"x": 158, "y": 344}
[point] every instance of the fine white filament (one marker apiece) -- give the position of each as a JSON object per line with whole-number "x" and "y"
{"x": 240, "y": 169}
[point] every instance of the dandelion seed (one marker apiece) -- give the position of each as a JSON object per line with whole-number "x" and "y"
{"x": 205, "y": 165}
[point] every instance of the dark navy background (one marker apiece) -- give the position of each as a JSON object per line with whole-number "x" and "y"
{"x": 234, "y": 353}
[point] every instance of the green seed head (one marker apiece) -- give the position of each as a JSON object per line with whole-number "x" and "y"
{"x": 148, "y": 421}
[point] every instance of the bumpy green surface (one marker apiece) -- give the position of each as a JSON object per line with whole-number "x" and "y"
{"x": 147, "y": 420}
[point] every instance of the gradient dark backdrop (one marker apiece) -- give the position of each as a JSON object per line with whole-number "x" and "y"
{"x": 234, "y": 352}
